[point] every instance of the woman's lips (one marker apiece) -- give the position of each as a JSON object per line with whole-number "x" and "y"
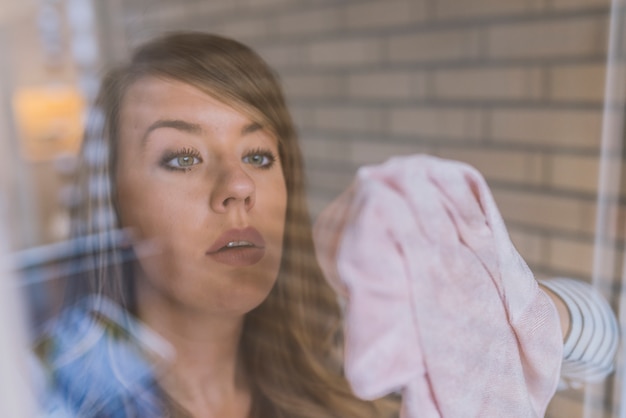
{"x": 238, "y": 247}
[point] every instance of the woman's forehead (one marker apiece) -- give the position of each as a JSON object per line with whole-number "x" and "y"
{"x": 153, "y": 101}
{"x": 155, "y": 98}
{"x": 159, "y": 91}
{"x": 151, "y": 97}
{"x": 151, "y": 93}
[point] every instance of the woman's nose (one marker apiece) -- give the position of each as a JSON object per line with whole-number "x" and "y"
{"x": 234, "y": 189}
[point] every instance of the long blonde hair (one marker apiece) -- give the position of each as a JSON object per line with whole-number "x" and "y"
{"x": 289, "y": 342}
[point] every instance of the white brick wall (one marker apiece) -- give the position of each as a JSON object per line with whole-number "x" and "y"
{"x": 384, "y": 13}
{"x": 244, "y": 29}
{"x": 432, "y": 122}
{"x": 550, "y": 128}
{"x": 309, "y": 86}
{"x": 556, "y": 213}
{"x": 345, "y": 52}
{"x": 574, "y": 83}
{"x": 568, "y": 255}
{"x": 524, "y": 168}
{"x": 578, "y": 4}
{"x": 385, "y": 85}
{"x": 548, "y": 39}
{"x": 574, "y": 173}
{"x": 436, "y": 46}
{"x": 453, "y": 9}
{"x": 308, "y": 22}
{"x": 349, "y": 119}
{"x": 488, "y": 83}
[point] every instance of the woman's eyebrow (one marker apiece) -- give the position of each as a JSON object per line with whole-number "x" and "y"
{"x": 251, "y": 128}
{"x": 178, "y": 124}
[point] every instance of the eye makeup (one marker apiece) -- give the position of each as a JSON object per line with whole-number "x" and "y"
{"x": 262, "y": 158}
{"x": 183, "y": 159}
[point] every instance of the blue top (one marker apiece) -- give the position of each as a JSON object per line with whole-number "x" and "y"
{"x": 99, "y": 362}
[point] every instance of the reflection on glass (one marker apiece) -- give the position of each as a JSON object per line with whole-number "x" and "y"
{"x": 514, "y": 88}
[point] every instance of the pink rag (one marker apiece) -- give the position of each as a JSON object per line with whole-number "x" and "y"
{"x": 439, "y": 304}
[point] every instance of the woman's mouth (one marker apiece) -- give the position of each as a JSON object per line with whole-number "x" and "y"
{"x": 238, "y": 247}
{"x": 235, "y": 244}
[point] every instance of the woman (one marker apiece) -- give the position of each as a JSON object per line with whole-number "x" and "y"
{"x": 195, "y": 154}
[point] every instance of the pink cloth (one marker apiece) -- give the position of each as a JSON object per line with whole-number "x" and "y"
{"x": 439, "y": 304}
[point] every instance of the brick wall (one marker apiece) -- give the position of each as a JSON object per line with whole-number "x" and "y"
{"x": 514, "y": 87}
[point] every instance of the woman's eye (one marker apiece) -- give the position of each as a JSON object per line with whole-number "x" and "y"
{"x": 261, "y": 159}
{"x": 181, "y": 160}
{"x": 184, "y": 161}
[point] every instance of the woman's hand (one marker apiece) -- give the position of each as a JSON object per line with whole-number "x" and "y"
{"x": 435, "y": 291}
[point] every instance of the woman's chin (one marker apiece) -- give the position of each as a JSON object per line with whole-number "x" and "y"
{"x": 207, "y": 295}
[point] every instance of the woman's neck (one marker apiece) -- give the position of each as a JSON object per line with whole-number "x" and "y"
{"x": 207, "y": 376}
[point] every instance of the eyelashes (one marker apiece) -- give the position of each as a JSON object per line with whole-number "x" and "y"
{"x": 185, "y": 159}
{"x": 181, "y": 160}
{"x": 260, "y": 157}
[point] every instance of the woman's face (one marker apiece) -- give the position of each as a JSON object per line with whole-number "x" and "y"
{"x": 202, "y": 183}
